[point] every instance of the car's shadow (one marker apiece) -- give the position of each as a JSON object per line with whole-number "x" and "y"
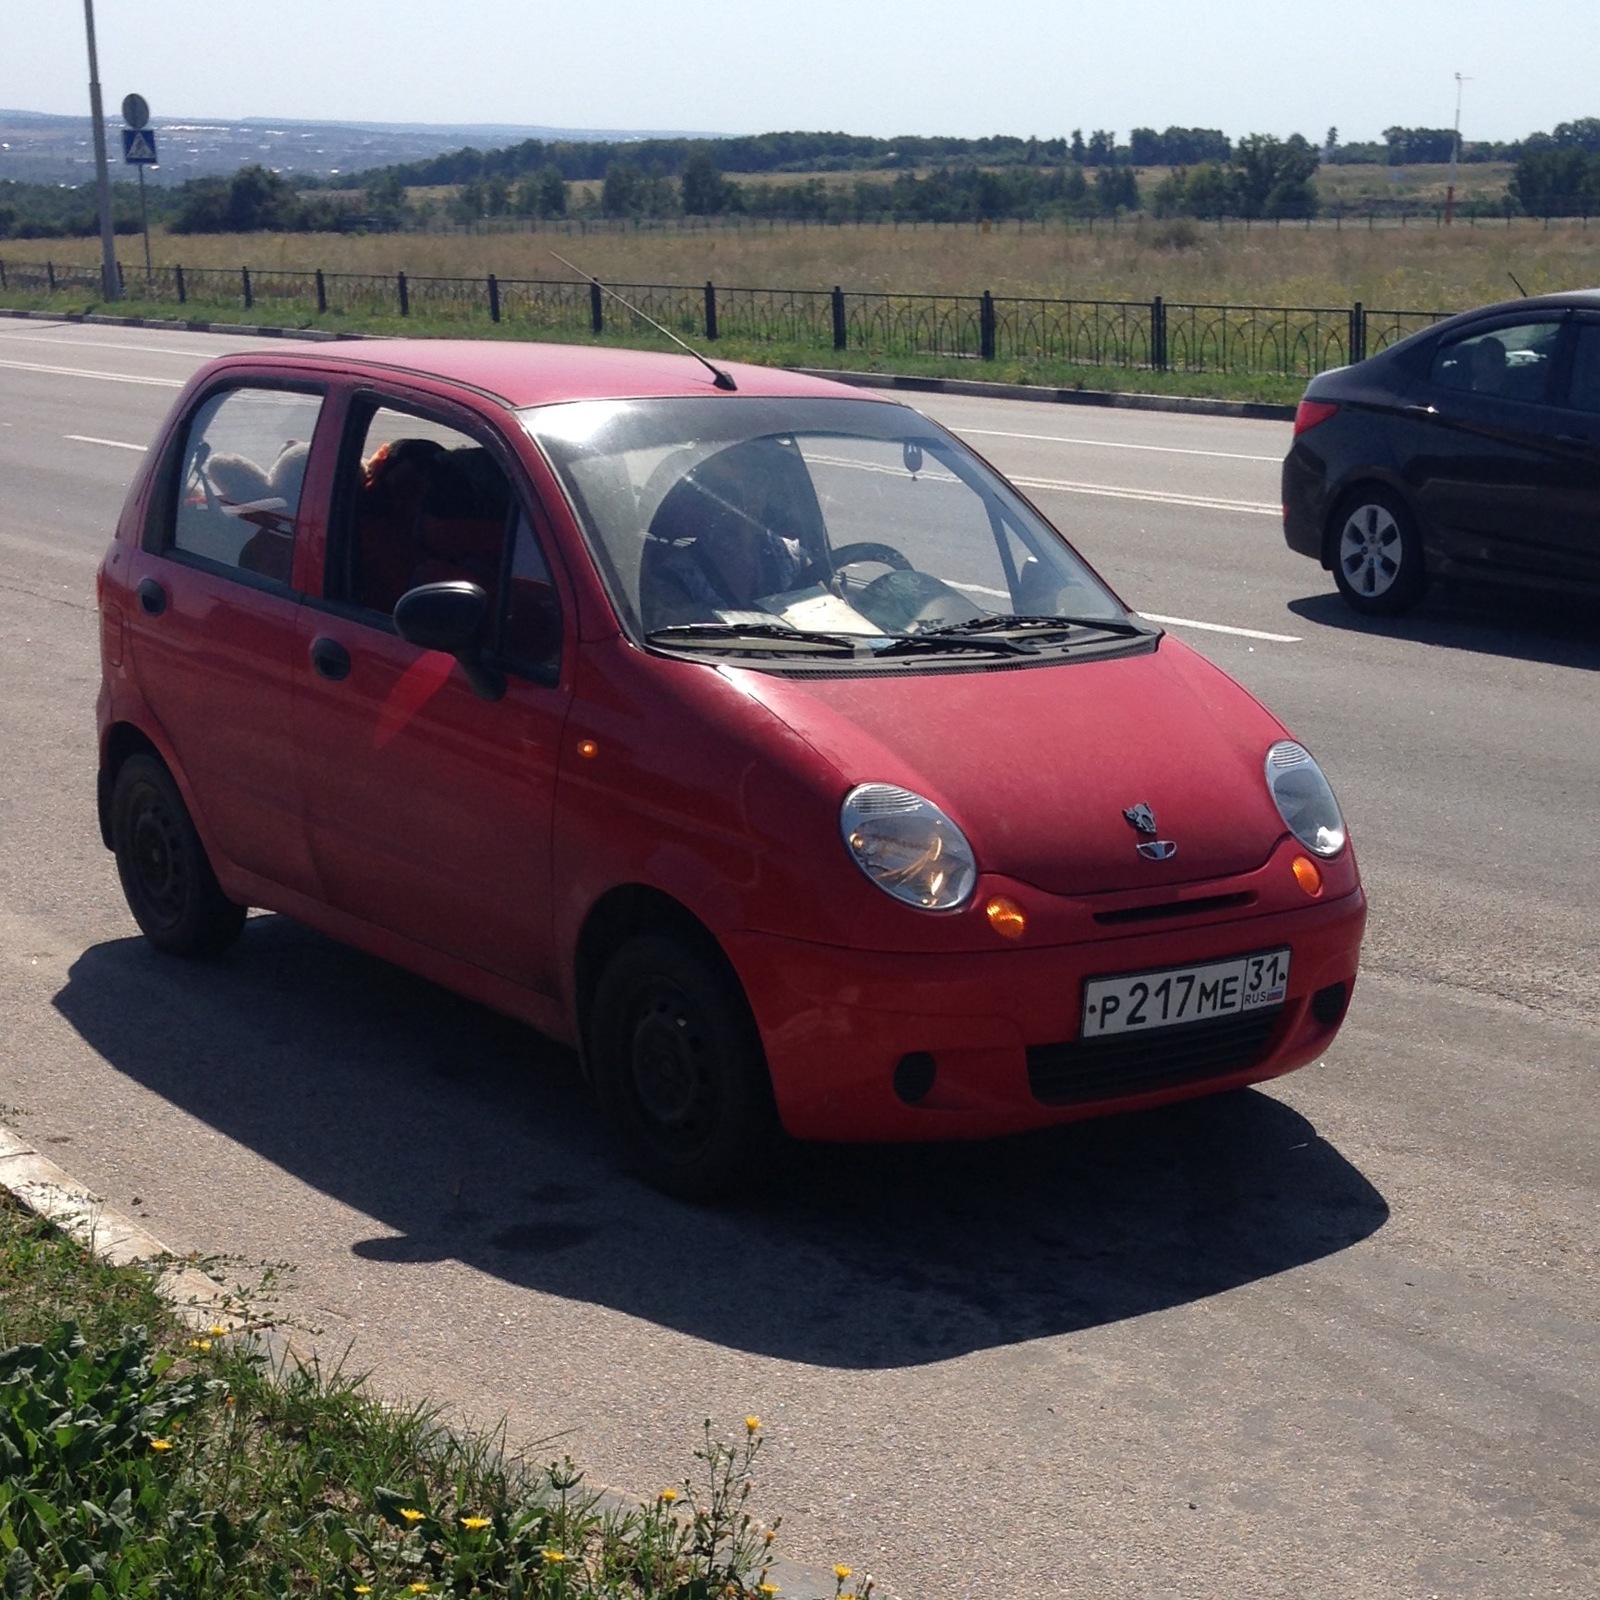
{"x": 465, "y": 1135}
{"x": 1557, "y": 630}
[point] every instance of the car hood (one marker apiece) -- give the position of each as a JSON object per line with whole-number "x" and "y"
{"x": 1037, "y": 765}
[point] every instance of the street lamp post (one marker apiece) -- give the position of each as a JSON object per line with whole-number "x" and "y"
{"x": 110, "y": 286}
{"x": 1455, "y": 151}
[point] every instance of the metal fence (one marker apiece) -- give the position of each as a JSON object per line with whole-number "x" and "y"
{"x": 1155, "y": 335}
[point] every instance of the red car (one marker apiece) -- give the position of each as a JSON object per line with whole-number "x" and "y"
{"x": 744, "y": 731}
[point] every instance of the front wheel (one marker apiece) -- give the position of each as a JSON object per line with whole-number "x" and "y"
{"x": 679, "y": 1068}
{"x": 1377, "y": 554}
{"x": 166, "y": 877}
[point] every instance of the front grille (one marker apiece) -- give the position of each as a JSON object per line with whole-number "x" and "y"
{"x": 1137, "y": 1063}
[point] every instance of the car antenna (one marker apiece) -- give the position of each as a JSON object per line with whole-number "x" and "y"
{"x": 1520, "y": 290}
{"x": 723, "y": 380}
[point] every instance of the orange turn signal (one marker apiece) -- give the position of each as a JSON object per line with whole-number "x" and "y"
{"x": 1006, "y": 917}
{"x": 588, "y": 749}
{"x": 1308, "y": 875}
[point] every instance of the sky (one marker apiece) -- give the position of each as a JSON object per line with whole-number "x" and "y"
{"x": 881, "y": 67}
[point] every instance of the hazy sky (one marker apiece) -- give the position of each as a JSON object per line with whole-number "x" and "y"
{"x": 863, "y": 66}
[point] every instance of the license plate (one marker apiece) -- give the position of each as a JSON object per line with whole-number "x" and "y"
{"x": 1135, "y": 1001}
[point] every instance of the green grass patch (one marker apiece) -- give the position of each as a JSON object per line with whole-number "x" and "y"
{"x": 139, "y": 1461}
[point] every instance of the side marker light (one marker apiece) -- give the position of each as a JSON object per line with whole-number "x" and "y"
{"x": 1006, "y": 917}
{"x": 588, "y": 749}
{"x": 1308, "y": 875}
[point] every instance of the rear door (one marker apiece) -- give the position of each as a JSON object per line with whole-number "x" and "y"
{"x": 1488, "y": 472}
{"x": 1574, "y": 530}
{"x": 428, "y": 807}
{"x": 212, "y": 632}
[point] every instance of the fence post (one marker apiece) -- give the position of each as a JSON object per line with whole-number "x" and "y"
{"x": 494, "y": 298}
{"x": 183, "y": 288}
{"x": 249, "y": 297}
{"x": 322, "y": 293}
{"x": 597, "y": 309}
{"x": 405, "y": 294}
{"x": 986, "y": 327}
{"x": 2, "y": 274}
{"x": 122, "y": 279}
{"x": 840, "y": 331}
{"x": 1358, "y": 334}
{"x": 50, "y": 275}
{"x": 711, "y": 310}
{"x": 1158, "y": 334}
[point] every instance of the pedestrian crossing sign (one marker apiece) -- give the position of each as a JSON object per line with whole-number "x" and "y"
{"x": 139, "y": 146}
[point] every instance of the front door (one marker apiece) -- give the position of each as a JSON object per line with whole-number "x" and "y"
{"x": 428, "y": 808}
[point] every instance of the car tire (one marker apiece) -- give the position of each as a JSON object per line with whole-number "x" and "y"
{"x": 166, "y": 876}
{"x": 1376, "y": 554}
{"x": 678, "y": 1065}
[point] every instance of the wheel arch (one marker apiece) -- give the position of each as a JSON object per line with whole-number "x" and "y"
{"x": 122, "y": 740}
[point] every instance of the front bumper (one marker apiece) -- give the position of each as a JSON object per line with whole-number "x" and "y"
{"x": 987, "y": 1042}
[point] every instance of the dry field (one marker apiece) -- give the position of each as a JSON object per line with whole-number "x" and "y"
{"x": 1419, "y": 266}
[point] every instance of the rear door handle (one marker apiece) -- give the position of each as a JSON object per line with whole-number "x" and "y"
{"x": 330, "y": 658}
{"x": 1576, "y": 439}
{"x": 1421, "y": 413}
{"x": 152, "y": 597}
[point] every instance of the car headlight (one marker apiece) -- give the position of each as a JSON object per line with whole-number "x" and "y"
{"x": 1304, "y": 798}
{"x": 907, "y": 846}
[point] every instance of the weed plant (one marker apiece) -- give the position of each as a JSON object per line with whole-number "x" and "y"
{"x": 150, "y": 1462}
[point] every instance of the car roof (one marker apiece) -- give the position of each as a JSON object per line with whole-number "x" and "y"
{"x": 1564, "y": 300}
{"x": 529, "y": 374}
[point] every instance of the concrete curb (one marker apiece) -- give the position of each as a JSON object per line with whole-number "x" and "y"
{"x": 40, "y": 1186}
{"x": 1195, "y": 405}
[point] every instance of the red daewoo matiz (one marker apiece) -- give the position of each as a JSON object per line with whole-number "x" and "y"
{"x": 745, "y": 731}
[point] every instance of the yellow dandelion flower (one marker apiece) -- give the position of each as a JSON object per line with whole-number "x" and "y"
{"x": 767, "y": 1588}
{"x": 363, "y": 1588}
{"x": 410, "y": 1514}
{"x": 667, "y": 1496}
{"x": 752, "y": 1424}
{"x": 555, "y": 1557}
{"x": 217, "y": 1331}
{"x": 841, "y": 1572}
{"x": 419, "y": 1588}
{"x": 473, "y": 1524}
{"x": 160, "y": 1444}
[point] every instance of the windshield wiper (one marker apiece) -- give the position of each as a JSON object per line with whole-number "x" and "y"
{"x": 766, "y": 636}
{"x": 939, "y": 640}
{"x": 1024, "y": 625}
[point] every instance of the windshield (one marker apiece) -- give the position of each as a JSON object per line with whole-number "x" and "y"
{"x": 855, "y": 524}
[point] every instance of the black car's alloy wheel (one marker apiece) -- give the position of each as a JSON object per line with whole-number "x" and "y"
{"x": 679, "y": 1066}
{"x": 167, "y": 880}
{"x": 1377, "y": 557}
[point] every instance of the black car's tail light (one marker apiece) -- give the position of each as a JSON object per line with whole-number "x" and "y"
{"x": 1310, "y": 412}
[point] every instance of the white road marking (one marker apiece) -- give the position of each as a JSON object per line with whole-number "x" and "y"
{"x": 1112, "y": 444}
{"x": 116, "y": 444}
{"x": 85, "y": 372}
{"x": 108, "y": 344}
{"x": 1199, "y": 502}
{"x": 1218, "y": 627}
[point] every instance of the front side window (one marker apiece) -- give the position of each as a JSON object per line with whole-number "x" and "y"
{"x": 429, "y": 503}
{"x": 1584, "y": 391}
{"x": 244, "y": 464}
{"x": 854, "y": 522}
{"x": 1511, "y": 363}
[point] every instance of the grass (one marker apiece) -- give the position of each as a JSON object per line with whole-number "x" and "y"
{"x": 139, "y": 1460}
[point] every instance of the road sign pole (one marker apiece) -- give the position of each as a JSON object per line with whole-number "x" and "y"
{"x": 110, "y": 288}
{"x": 144, "y": 222}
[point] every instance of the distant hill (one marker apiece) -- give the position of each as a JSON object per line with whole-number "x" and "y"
{"x": 36, "y": 147}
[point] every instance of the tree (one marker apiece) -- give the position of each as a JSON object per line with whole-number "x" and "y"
{"x": 1272, "y": 177}
{"x": 1116, "y": 189}
{"x": 1102, "y": 149}
{"x": 622, "y": 193}
{"x": 252, "y": 201}
{"x": 705, "y": 190}
{"x": 1557, "y": 183}
{"x": 1079, "y": 155}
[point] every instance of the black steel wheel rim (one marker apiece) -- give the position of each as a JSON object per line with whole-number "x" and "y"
{"x": 157, "y": 857}
{"x": 673, "y": 1068}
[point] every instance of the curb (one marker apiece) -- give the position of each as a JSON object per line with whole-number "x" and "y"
{"x": 1195, "y": 405}
{"x": 38, "y": 1185}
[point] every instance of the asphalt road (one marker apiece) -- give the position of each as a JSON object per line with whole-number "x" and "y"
{"x": 1333, "y": 1338}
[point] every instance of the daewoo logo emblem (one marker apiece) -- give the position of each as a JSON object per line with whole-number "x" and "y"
{"x": 1152, "y": 849}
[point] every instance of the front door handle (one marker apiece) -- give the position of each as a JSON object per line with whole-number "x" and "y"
{"x": 1421, "y": 413}
{"x": 152, "y": 597}
{"x": 330, "y": 658}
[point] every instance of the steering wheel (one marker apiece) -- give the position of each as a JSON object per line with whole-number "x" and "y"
{"x": 870, "y": 550}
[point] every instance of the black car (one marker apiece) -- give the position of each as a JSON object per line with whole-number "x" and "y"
{"x": 1469, "y": 450}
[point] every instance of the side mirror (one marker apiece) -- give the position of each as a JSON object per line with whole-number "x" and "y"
{"x": 452, "y": 617}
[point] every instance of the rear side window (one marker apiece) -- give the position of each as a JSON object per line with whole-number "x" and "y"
{"x": 244, "y": 465}
{"x": 1510, "y": 363}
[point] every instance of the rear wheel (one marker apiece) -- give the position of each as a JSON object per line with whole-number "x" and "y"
{"x": 1377, "y": 555}
{"x": 679, "y": 1068}
{"x": 167, "y": 879}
